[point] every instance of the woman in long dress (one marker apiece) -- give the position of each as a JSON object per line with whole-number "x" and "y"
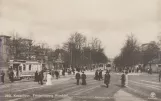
{"x": 49, "y": 77}
{"x": 126, "y": 79}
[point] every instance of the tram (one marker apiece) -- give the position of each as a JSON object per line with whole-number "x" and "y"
{"x": 24, "y": 69}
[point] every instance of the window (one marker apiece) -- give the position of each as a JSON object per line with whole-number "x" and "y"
{"x": 159, "y": 65}
{"x": 29, "y": 67}
{"x": 24, "y": 67}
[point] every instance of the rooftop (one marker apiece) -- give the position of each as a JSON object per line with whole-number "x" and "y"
{"x": 5, "y": 36}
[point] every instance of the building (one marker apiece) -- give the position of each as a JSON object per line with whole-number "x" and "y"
{"x": 58, "y": 63}
{"x": 4, "y": 51}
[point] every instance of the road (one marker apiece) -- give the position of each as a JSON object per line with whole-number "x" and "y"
{"x": 140, "y": 87}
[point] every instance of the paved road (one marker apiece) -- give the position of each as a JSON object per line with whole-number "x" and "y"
{"x": 140, "y": 87}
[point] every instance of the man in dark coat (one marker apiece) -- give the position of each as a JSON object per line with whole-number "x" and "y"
{"x": 123, "y": 80}
{"x": 57, "y": 74}
{"x": 41, "y": 76}
{"x": 107, "y": 79}
{"x": 36, "y": 76}
{"x": 11, "y": 75}
{"x": 83, "y": 79}
{"x": 96, "y": 75}
{"x": 100, "y": 74}
{"x": 159, "y": 75}
{"x": 73, "y": 70}
{"x": 77, "y": 76}
{"x": 2, "y": 76}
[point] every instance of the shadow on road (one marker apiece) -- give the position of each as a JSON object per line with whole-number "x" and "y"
{"x": 103, "y": 86}
{"x": 118, "y": 85}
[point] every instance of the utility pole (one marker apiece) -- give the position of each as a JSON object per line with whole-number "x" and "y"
{"x": 71, "y": 54}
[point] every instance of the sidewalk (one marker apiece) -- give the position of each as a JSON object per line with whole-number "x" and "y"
{"x": 124, "y": 96}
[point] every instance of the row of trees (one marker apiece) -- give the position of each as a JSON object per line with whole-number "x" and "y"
{"x": 76, "y": 51}
{"x": 83, "y": 52}
{"x": 132, "y": 53}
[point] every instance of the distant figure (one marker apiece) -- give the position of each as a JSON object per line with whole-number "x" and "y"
{"x": 2, "y": 76}
{"x": 73, "y": 70}
{"x": 96, "y": 75}
{"x": 159, "y": 75}
{"x": 123, "y": 79}
{"x": 83, "y": 79}
{"x": 77, "y": 77}
{"x": 11, "y": 76}
{"x": 107, "y": 79}
{"x": 57, "y": 74}
{"x": 150, "y": 70}
{"x": 49, "y": 81}
{"x": 41, "y": 76}
{"x": 100, "y": 75}
{"x": 36, "y": 76}
{"x": 126, "y": 78}
{"x": 63, "y": 72}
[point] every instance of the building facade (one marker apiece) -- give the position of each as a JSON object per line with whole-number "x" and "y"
{"x": 4, "y": 51}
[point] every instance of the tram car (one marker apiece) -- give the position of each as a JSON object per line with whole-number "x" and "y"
{"x": 24, "y": 69}
{"x": 108, "y": 66}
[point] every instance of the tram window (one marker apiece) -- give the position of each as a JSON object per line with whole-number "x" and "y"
{"x": 20, "y": 68}
{"x": 29, "y": 67}
{"x": 159, "y": 65}
{"x": 24, "y": 67}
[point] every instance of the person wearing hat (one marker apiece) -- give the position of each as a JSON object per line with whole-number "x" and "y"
{"x": 123, "y": 79}
{"x": 100, "y": 74}
{"x": 83, "y": 79}
{"x": 96, "y": 75}
{"x": 126, "y": 78}
{"x": 36, "y": 76}
{"x": 77, "y": 77}
{"x": 49, "y": 77}
{"x": 41, "y": 76}
{"x": 107, "y": 78}
{"x": 159, "y": 75}
{"x": 2, "y": 76}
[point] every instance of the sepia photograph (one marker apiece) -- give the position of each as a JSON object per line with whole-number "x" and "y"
{"x": 80, "y": 50}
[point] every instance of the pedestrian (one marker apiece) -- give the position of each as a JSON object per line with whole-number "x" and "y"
{"x": 96, "y": 75}
{"x": 150, "y": 70}
{"x": 41, "y": 76}
{"x": 11, "y": 74}
{"x": 100, "y": 75}
{"x": 63, "y": 72}
{"x": 83, "y": 78}
{"x": 126, "y": 78}
{"x": 77, "y": 77}
{"x": 159, "y": 75}
{"x": 73, "y": 70}
{"x": 49, "y": 77}
{"x": 123, "y": 79}
{"x": 107, "y": 78}
{"x": 2, "y": 76}
{"x": 36, "y": 76}
{"x": 57, "y": 74}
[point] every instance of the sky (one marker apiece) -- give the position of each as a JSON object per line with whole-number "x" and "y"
{"x": 52, "y": 21}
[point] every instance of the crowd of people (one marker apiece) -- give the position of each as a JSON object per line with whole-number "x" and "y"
{"x": 39, "y": 76}
{"x": 98, "y": 76}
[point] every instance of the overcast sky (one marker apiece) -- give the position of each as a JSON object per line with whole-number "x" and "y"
{"x": 52, "y": 21}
